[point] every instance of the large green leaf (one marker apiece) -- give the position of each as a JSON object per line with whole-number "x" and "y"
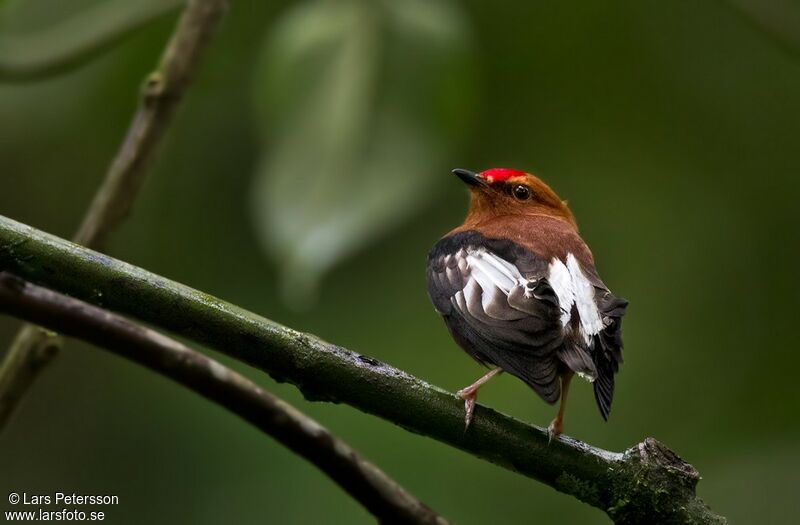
{"x": 360, "y": 104}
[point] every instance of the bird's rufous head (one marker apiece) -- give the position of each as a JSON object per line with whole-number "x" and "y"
{"x": 501, "y": 191}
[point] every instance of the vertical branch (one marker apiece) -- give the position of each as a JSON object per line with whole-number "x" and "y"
{"x": 161, "y": 95}
{"x": 32, "y": 349}
{"x": 778, "y": 21}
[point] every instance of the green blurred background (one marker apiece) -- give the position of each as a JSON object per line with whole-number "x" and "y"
{"x": 671, "y": 127}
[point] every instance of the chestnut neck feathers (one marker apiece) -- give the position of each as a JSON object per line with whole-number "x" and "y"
{"x": 532, "y": 216}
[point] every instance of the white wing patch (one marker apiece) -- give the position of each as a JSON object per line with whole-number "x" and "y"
{"x": 493, "y": 272}
{"x": 490, "y": 280}
{"x": 573, "y": 288}
{"x": 561, "y": 281}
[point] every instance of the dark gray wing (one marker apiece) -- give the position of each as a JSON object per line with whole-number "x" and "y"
{"x": 499, "y": 306}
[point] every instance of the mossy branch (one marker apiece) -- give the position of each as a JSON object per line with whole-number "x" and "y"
{"x": 647, "y": 483}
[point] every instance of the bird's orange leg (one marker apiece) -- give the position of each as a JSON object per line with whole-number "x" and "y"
{"x": 470, "y": 394}
{"x": 557, "y": 425}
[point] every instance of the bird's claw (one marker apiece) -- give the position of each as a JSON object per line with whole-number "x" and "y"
{"x": 469, "y": 397}
{"x": 554, "y": 429}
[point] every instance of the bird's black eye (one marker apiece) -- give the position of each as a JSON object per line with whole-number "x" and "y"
{"x": 521, "y": 193}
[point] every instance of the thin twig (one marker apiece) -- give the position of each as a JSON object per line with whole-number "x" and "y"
{"x": 777, "y": 21}
{"x": 163, "y": 91}
{"x": 365, "y": 482}
{"x": 161, "y": 96}
{"x": 75, "y": 41}
{"x": 647, "y": 483}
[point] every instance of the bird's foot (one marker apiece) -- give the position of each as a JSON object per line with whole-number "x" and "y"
{"x": 555, "y": 429}
{"x": 470, "y": 396}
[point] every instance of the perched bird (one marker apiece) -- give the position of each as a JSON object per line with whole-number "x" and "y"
{"x": 518, "y": 291}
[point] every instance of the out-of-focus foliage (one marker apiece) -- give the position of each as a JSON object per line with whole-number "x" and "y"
{"x": 671, "y": 127}
{"x": 360, "y": 105}
{"x": 66, "y": 44}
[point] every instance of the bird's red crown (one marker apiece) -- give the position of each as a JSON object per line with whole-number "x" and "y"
{"x": 501, "y": 174}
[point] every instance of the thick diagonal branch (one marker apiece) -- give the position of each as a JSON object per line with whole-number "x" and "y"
{"x": 365, "y": 482}
{"x": 647, "y": 483}
{"x": 162, "y": 93}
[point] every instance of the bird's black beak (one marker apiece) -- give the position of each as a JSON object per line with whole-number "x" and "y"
{"x": 470, "y": 177}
